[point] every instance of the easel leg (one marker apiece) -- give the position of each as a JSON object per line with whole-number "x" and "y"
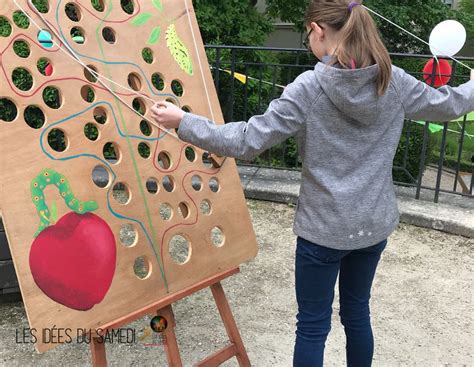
{"x": 169, "y": 336}
{"x": 99, "y": 358}
{"x": 229, "y": 323}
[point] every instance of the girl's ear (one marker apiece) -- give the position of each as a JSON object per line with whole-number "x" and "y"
{"x": 318, "y": 30}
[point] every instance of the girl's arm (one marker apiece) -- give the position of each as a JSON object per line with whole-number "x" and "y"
{"x": 285, "y": 117}
{"x": 422, "y": 102}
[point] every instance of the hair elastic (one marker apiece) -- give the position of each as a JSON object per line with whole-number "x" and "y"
{"x": 352, "y": 5}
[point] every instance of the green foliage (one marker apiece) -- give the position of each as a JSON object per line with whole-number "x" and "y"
{"x": 5, "y": 27}
{"x": 21, "y": 48}
{"x": 21, "y": 20}
{"x": 467, "y": 6}
{"x": 98, "y": 5}
{"x": 22, "y": 79}
{"x": 407, "y": 158}
{"x": 417, "y": 16}
{"x": 231, "y": 22}
{"x": 41, "y": 5}
{"x": 9, "y": 110}
{"x": 127, "y": 6}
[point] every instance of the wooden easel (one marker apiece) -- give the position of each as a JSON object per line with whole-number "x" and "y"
{"x": 164, "y": 308}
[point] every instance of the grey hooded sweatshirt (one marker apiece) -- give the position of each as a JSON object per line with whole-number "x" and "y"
{"x": 347, "y": 136}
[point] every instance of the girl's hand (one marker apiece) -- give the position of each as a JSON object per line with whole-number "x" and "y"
{"x": 167, "y": 114}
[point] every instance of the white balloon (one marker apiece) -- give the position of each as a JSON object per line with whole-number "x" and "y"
{"x": 447, "y": 38}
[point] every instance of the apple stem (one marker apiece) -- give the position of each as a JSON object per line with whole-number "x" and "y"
{"x": 48, "y": 219}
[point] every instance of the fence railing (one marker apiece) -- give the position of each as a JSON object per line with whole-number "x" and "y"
{"x": 432, "y": 156}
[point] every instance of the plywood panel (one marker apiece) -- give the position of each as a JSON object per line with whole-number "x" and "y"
{"x": 76, "y": 269}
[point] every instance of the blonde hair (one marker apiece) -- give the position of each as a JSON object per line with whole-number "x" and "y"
{"x": 359, "y": 40}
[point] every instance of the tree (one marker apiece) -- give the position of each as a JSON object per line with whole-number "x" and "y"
{"x": 232, "y": 22}
{"x": 467, "y": 6}
{"x": 417, "y": 16}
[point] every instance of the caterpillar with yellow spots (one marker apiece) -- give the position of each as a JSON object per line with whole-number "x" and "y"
{"x": 51, "y": 177}
{"x": 178, "y": 50}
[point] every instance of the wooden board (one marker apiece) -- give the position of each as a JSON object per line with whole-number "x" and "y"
{"x": 84, "y": 270}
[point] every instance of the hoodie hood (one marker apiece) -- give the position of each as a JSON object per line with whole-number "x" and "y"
{"x": 352, "y": 91}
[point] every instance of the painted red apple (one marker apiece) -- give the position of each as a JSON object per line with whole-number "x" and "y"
{"x": 73, "y": 261}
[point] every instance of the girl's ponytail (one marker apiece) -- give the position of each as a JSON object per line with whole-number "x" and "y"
{"x": 359, "y": 41}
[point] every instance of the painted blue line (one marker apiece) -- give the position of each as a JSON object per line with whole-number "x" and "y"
{"x": 150, "y": 87}
{"x": 120, "y": 216}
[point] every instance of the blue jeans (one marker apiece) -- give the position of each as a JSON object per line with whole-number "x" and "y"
{"x": 316, "y": 271}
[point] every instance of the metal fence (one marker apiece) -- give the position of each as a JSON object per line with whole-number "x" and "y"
{"x": 435, "y": 157}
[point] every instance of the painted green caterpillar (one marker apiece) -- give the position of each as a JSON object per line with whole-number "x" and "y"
{"x": 51, "y": 177}
{"x": 179, "y": 50}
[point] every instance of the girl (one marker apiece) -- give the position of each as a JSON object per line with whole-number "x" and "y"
{"x": 347, "y": 116}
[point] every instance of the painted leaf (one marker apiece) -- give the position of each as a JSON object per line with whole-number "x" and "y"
{"x": 54, "y": 212}
{"x": 154, "y": 36}
{"x": 178, "y": 50}
{"x": 141, "y": 19}
{"x": 157, "y": 4}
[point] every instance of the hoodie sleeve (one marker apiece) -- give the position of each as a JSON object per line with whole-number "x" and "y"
{"x": 422, "y": 102}
{"x": 245, "y": 140}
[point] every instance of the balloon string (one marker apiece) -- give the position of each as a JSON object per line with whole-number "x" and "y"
{"x": 413, "y": 35}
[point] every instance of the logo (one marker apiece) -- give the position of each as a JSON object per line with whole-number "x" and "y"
{"x": 153, "y": 333}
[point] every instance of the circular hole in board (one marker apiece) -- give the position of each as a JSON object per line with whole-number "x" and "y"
{"x": 45, "y": 39}
{"x": 166, "y": 211}
{"x": 21, "y": 49}
{"x": 5, "y": 27}
{"x": 34, "y": 117}
{"x": 179, "y": 249}
{"x": 91, "y": 131}
{"x": 127, "y": 6}
{"x": 45, "y": 67}
{"x": 100, "y": 115}
{"x": 206, "y": 160}
{"x": 22, "y": 79}
{"x": 158, "y": 81}
{"x": 109, "y": 35}
{"x": 121, "y": 193}
{"x": 164, "y": 160}
{"x": 128, "y": 235}
{"x": 147, "y": 55}
{"x": 183, "y": 209}
{"x": 111, "y": 153}
{"x": 145, "y": 128}
{"x": 98, "y": 5}
{"x": 8, "y": 110}
{"x": 78, "y": 35}
{"x": 186, "y": 109}
{"x": 139, "y": 105}
{"x": 41, "y": 5}
{"x": 190, "y": 154}
{"x": 152, "y": 185}
{"x": 177, "y": 88}
{"x": 134, "y": 81}
{"x": 100, "y": 176}
{"x": 196, "y": 183}
{"x": 73, "y": 12}
{"x": 217, "y": 237}
{"x": 144, "y": 150}
{"x": 168, "y": 183}
{"x": 214, "y": 184}
{"x": 142, "y": 267}
{"x": 57, "y": 140}
{"x": 21, "y": 20}
{"x": 89, "y": 75}
{"x": 205, "y": 207}
{"x": 52, "y": 97}
{"x": 88, "y": 94}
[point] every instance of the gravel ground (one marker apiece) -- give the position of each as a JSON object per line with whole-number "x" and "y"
{"x": 421, "y": 307}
